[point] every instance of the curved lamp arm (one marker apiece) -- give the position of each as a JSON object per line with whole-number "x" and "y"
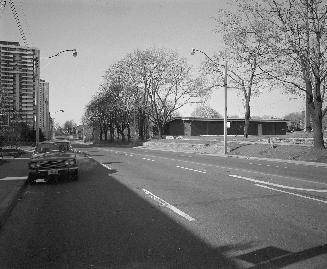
{"x": 57, "y": 54}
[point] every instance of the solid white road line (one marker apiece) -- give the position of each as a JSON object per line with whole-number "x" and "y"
{"x": 165, "y": 204}
{"x": 106, "y": 166}
{"x": 279, "y": 185}
{"x": 12, "y": 158}
{"x": 291, "y": 193}
{"x": 13, "y": 178}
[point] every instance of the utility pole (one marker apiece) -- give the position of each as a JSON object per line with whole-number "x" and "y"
{"x": 225, "y": 111}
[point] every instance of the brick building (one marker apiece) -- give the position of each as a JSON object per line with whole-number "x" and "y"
{"x": 192, "y": 126}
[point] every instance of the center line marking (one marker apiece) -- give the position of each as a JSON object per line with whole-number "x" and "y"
{"x": 166, "y": 204}
{"x": 194, "y": 170}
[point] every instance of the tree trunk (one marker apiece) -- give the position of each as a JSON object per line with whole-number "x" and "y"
{"x": 128, "y": 133}
{"x": 112, "y": 132}
{"x": 106, "y": 133}
{"x": 101, "y": 132}
{"x": 307, "y": 125}
{"x": 247, "y": 116}
{"x": 123, "y": 139}
{"x": 159, "y": 131}
{"x": 141, "y": 125}
{"x": 316, "y": 115}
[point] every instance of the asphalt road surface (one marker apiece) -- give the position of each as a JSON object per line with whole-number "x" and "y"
{"x": 135, "y": 208}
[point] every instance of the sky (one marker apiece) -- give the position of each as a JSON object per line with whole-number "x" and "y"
{"x": 104, "y": 31}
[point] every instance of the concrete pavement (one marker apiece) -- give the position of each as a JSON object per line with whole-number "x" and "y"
{"x": 13, "y": 175}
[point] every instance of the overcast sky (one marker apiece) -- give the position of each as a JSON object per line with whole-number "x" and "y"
{"x": 104, "y": 31}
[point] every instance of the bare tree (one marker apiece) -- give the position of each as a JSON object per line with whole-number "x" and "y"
{"x": 155, "y": 83}
{"x": 242, "y": 54}
{"x": 295, "y": 39}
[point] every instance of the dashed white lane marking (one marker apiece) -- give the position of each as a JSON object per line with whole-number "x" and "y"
{"x": 291, "y": 193}
{"x": 268, "y": 165}
{"x": 194, "y": 170}
{"x": 279, "y": 185}
{"x": 169, "y": 206}
{"x": 13, "y": 178}
{"x": 148, "y": 159}
{"x": 235, "y": 169}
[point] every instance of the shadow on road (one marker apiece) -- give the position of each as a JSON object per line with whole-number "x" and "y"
{"x": 142, "y": 235}
{"x": 272, "y": 257}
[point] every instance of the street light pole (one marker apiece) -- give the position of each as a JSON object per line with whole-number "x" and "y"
{"x": 225, "y": 111}
{"x": 37, "y": 93}
{"x": 53, "y": 122}
{"x": 225, "y": 93}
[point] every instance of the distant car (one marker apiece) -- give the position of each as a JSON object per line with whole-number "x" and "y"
{"x": 52, "y": 160}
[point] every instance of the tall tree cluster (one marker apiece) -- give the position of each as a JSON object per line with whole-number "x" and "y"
{"x": 143, "y": 90}
{"x": 295, "y": 41}
{"x": 277, "y": 43}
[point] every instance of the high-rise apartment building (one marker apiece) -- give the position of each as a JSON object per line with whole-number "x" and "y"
{"x": 44, "y": 108}
{"x": 19, "y": 80}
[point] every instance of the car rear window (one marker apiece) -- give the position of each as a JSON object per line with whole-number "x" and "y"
{"x": 43, "y": 148}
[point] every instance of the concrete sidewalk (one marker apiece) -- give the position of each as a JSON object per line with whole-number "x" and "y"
{"x": 10, "y": 192}
{"x": 13, "y": 175}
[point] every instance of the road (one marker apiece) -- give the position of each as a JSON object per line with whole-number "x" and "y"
{"x": 135, "y": 208}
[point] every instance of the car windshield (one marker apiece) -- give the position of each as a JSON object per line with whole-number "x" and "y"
{"x": 52, "y": 147}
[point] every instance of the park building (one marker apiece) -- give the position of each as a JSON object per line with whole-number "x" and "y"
{"x": 194, "y": 126}
{"x": 19, "y": 80}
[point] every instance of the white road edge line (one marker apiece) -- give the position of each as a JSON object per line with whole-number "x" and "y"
{"x": 291, "y": 193}
{"x": 166, "y": 204}
{"x": 12, "y": 158}
{"x": 106, "y": 166}
{"x": 278, "y": 185}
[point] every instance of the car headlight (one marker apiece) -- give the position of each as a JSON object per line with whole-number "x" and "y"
{"x": 70, "y": 162}
{"x": 34, "y": 165}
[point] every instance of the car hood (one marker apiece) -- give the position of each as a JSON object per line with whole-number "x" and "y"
{"x": 52, "y": 156}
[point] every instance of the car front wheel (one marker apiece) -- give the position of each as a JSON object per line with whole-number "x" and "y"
{"x": 75, "y": 175}
{"x": 31, "y": 179}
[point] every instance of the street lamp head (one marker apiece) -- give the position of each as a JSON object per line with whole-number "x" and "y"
{"x": 75, "y": 53}
{"x": 193, "y": 51}
{"x": 61, "y": 110}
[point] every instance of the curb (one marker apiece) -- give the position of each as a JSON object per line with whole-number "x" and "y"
{"x": 7, "y": 205}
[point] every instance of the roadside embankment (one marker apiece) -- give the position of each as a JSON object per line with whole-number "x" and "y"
{"x": 275, "y": 148}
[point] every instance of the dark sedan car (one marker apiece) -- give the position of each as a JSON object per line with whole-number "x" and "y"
{"x": 52, "y": 160}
